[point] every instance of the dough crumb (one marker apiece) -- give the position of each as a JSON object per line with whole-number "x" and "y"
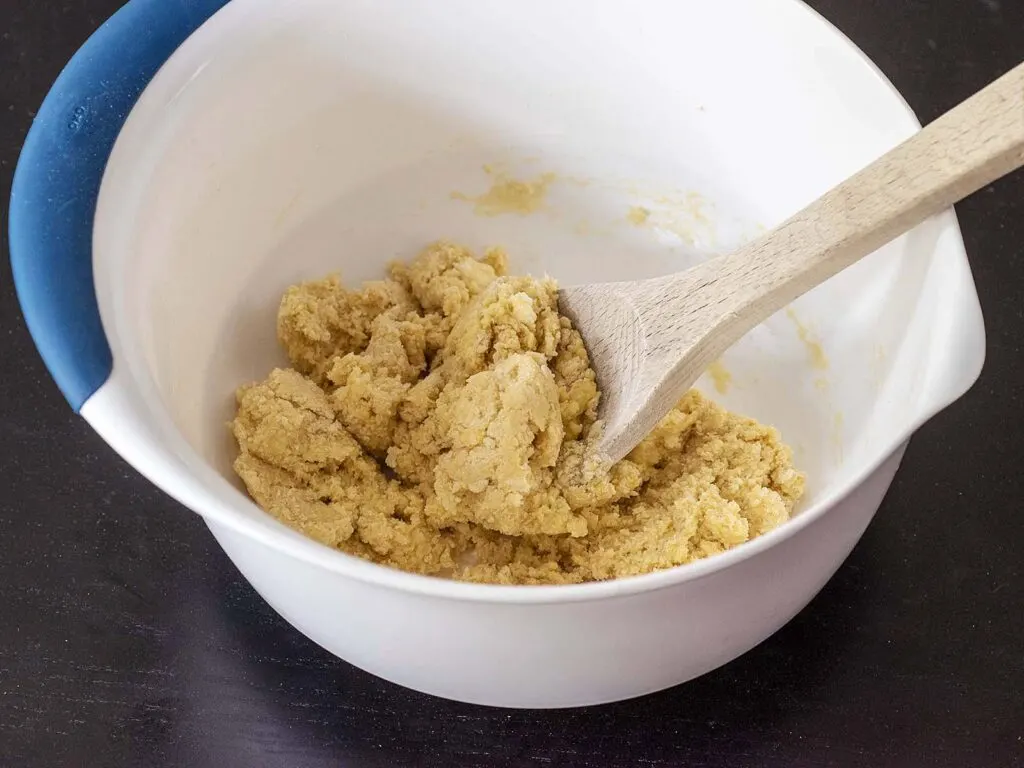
{"x": 637, "y": 215}
{"x": 438, "y": 422}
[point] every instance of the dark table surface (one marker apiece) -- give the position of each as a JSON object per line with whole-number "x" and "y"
{"x": 128, "y": 638}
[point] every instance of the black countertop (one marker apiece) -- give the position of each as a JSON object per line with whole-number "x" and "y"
{"x": 128, "y": 638}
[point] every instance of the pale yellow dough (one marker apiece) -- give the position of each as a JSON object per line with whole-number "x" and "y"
{"x": 438, "y": 422}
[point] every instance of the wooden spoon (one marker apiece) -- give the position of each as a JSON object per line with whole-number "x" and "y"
{"x": 650, "y": 340}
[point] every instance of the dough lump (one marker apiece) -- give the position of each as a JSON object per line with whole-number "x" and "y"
{"x": 438, "y": 422}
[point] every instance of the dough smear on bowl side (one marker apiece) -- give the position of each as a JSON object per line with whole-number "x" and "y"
{"x": 438, "y": 422}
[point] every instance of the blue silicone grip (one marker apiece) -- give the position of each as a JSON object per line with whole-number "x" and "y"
{"x": 53, "y": 199}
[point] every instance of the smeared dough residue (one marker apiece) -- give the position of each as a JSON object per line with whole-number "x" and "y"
{"x": 837, "y": 435}
{"x": 720, "y": 377}
{"x": 814, "y": 349}
{"x": 638, "y": 215}
{"x": 508, "y": 195}
{"x": 684, "y": 215}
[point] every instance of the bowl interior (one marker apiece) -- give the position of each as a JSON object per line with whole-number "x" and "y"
{"x": 285, "y": 141}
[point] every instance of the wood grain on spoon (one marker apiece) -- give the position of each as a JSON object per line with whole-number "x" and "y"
{"x": 650, "y": 340}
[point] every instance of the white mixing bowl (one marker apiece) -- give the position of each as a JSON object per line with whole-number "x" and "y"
{"x": 284, "y": 141}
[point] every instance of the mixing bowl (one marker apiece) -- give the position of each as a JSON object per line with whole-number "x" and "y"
{"x": 285, "y": 141}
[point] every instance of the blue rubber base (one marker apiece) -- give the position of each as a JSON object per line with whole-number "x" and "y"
{"x": 53, "y": 199}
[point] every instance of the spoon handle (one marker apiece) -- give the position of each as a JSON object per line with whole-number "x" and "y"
{"x": 966, "y": 149}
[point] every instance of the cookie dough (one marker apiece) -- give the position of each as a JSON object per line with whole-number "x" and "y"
{"x": 438, "y": 422}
